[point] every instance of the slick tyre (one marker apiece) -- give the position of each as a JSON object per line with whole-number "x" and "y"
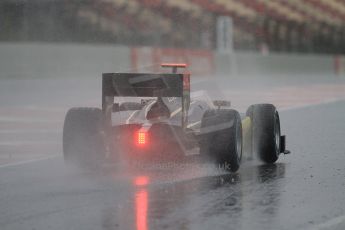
{"x": 265, "y": 132}
{"x": 222, "y": 138}
{"x": 83, "y": 142}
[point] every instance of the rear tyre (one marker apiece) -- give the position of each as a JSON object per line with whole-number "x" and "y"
{"x": 83, "y": 142}
{"x": 222, "y": 137}
{"x": 265, "y": 131}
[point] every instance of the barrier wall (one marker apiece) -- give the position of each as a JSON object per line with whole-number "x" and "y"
{"x": 254, "y": 63}
{"x": 57, "y": 60}
{"x": 200, "y": 62}
{"x": 73, "y": 60}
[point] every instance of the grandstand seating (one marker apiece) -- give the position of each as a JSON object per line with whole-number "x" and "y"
{"x": 289, "y": 25}
{"x": 255, "y": 21}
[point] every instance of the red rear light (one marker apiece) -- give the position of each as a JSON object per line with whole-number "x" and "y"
{"x": 142, "y": 138}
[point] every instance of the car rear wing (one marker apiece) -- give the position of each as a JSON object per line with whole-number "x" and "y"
{"x": 145, "y": 85}
{"x": 142, "y": 85}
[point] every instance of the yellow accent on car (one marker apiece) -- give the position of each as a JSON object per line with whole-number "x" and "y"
{"x": 246, "y": 125}
{"x": 246, "y": 133}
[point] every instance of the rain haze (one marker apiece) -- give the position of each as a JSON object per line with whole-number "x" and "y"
{"x": 183, "y": 114}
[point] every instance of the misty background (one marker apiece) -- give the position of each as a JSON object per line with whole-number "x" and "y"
{"x": 280, "y": 26}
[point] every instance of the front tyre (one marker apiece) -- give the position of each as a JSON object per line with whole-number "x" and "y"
{"x": 83, "y": 142}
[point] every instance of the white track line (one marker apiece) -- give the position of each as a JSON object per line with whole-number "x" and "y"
{"x": 28, "y": 161}
{"x": 35, "y": 143}
{"x": 28, "y": 120}
{"x": 32, "y": 131}
{"x": 310, "y": 105}
{"x": 322, "y": 226}
{"x": 328, "y": 224}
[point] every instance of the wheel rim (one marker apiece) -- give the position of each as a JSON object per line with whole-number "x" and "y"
{"x": 238, "y": 141}
{"x": 277, "y": 134}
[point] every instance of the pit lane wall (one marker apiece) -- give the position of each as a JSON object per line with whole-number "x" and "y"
{"x": 75, "y": 60}
{"x": 248, "y": 63}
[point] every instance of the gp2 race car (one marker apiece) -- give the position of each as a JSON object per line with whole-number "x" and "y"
{"x": 167, "y": 122}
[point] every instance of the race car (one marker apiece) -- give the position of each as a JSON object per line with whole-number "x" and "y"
{"x": 168, "y": 122}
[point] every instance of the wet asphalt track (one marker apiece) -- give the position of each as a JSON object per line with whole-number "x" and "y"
{"x": 304, "y": 190}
